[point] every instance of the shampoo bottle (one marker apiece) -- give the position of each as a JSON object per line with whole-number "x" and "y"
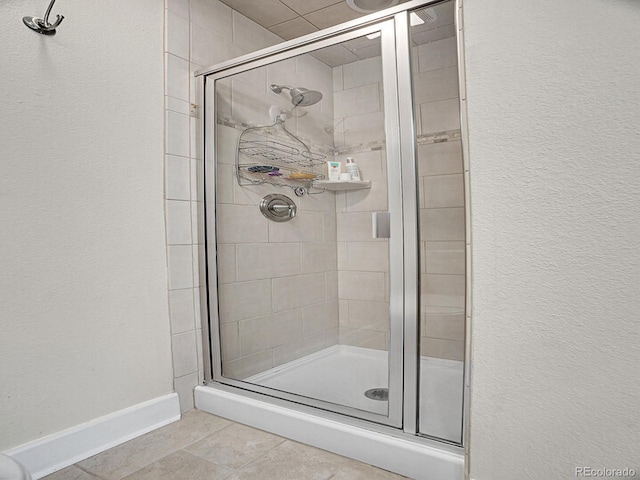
{"x": 352, "y": 168}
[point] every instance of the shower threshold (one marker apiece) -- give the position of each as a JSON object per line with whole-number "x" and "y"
{"x": 341, "y": 374}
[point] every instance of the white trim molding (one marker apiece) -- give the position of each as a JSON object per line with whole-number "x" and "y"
{"x": 59, "y": 450}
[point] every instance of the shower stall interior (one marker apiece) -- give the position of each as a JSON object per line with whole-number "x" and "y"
{"x": 342, "y": 296}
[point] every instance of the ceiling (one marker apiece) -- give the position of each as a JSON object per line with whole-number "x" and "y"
{"x": 291, "y": 19}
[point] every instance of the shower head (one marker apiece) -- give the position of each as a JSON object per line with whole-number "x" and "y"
{"x": 300, "y": 97}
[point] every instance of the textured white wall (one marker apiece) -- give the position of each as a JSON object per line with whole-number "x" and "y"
{"x": 84, "y": 327}
{"x": 554, "y": 109}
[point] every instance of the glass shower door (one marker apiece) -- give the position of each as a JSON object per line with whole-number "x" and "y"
{"x": 306, "y": 269}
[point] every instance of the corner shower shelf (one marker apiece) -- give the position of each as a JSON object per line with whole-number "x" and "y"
{"x": 335, "y": 185}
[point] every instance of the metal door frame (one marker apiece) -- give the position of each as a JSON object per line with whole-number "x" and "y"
{"x": 404, "y": 226}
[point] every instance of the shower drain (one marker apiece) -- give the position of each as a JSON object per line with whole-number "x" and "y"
{"x": 381, "y": 394}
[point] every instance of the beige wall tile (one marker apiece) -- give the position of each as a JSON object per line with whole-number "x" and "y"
{"x": 268, "y": 260}
{"x": 223, "y": 103}
{"x": 319, "y": 257}
{"x": 319, "y": 318}
{"x": 201, "y": 38}
{"x": 355, "y": 227}
{"x": 226, "y": 141}
{"x": 178, "y": 222}
{"x": 435, "y": 85}
{"x": 177, "y": 134}
{"x": 244, "y": 367}
{"x": 225, "y": 180}
{"x": 241, "y": 224}
{"x": 445, "y": 257}
{"x": 338, "y": 82}
{"x": 333, "y": 337}
{"x": 343, "y": 312}
{"x": 178, "y": 186}
{"x": 361, "y": 286}
{"x": 177, "y": 78}
{"x": 442, "y": 224}
{"x": 329, "y": 229}
{"x": 356, "y": 101}
{"x": 440, "y": 158}
{"x": 440, "y": 116}
{"x": 443, "y": 290}
{"x": 181, "y": 310}
{"x": 364, "y": 72}
{"x": 261, "y": 333}
{"x": 298, "y": 349}
{"x": 230, "y": 341}
{"x": 369, "y": 315}
{"x": 183, "y": 349}
{"x": 239, "y": 301}
{"x": 226, "y": 256}
{"x": 306, "y": 227}
{"x": 363, "y": 338}
{"x": 438, "y": 54}
{"x": 368, "y": 200}
{"x": 365, "y": 128}
{"x": 252, "y": 194}
{"x": 332, "y": 285}
{"x": 248, "y": 104}
{"x": 325, "y": 202}
{"x": 444, "y": 191}
{"x": 449, "y": 327}
{"x": 368, "y": 256}
{"x": 249, "y": 36}
{"x": 439, "y": 348}
{"x": 298, "y": 291}
{"x": 214, "y": 15}
{"x": 343, "y": 256}
{"x": 180, "y": 266}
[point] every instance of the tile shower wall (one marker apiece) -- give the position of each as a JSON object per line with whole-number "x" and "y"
{"x": 441, "y": 187}
{"x": 363, "y": 262}
{"x": 198, "y": 33}
{"x": 278, "y": 290}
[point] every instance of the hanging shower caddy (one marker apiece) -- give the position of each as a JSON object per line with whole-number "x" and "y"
{"x": 273, "y": 155}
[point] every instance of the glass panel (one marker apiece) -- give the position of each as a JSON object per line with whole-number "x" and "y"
{"x": 442, "y": 220}
{"x": 304, "y": 303}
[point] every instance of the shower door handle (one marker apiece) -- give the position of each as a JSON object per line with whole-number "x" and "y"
{"x": 381, "y": 224}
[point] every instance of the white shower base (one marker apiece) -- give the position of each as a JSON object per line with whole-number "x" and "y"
{"x": 340, "y": 374}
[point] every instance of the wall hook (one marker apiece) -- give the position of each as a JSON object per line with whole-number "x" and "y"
{"x": 42, "y": 25}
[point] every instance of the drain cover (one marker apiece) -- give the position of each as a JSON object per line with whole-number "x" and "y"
{"x": 381, "y": 394}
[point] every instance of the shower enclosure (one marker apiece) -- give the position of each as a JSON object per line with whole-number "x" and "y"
{"x": 344, "y": 297}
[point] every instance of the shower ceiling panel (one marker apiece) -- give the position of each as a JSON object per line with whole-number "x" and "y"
{"x": 291, "y": 19}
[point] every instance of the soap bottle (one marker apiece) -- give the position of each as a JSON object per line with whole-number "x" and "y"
{"x": 352, "y": 168}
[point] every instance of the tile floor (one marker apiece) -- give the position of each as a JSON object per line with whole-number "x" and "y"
{"x": 202, "y": 446}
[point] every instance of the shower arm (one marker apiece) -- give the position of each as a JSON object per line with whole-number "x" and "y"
{"x": 278, "y": 88}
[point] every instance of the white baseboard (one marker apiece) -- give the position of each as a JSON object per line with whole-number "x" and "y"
{"x": 59, "y": 450}
{"x": 407, "y": 458}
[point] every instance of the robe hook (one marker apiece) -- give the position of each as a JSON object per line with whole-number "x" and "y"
{"x": 42, "y": 25}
